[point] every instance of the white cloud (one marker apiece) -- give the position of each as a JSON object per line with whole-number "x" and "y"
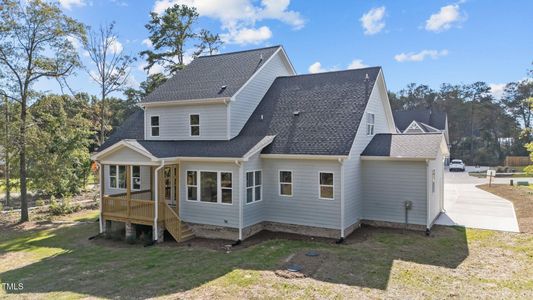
{"x": 115, "y": 45}
{"x": 497, "y": 89}
{"x": 372, "y": 21}
{"x": 154, "y": 70}
{"x": 420, "y": 56}
{"x": 316, "y": 68}
{"x": 357, "y": 64}
{"x": 447, "y": 17}
{"x": 247, "y": 36}
{"x": 69, "y": 4}
{"x": 239, "y": 17}
{"x": 147, "y": 42}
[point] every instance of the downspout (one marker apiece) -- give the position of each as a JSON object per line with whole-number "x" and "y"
{"x": 156, "y": 194}
{"x": 341, "y": 161}
{"x": 241, "y": 180}
{"x": 100, "y": 182}
{"x": 428, "y": 179}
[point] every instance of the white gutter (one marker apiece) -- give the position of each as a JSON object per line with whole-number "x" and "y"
{"x": 304, "y": 156}
{"x": 241, "y": 195}
{"x": 100, "y": 182}
{"x": 156, "y": 204}
{"x": 221, "y": 100}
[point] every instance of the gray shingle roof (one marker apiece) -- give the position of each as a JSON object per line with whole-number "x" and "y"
{"x": 330, "y": 105}
{"x": 204, "y": 76}
{"x": 422, "y": 145}
{"x": 431, "y": 117}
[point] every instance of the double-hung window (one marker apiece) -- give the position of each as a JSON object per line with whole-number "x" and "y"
{"x": 326, "y": 185}
{"x": 192, "y": 185}
{"x": 210, "y": 186}
{"x": 194, "y": 123}
{"x": 253, "y": 186}
{"x": 285, "y": 183}
{"x": 154, "y": 125}
{"x": 135, "y": 178}
{"x": 370, "y": 118}
{"x": 117, "y": 177}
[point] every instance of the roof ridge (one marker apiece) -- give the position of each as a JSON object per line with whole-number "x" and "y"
{"x": 414, "y": 133}
{"x": 330, "y": 72}
{"x": 240, "y": 51}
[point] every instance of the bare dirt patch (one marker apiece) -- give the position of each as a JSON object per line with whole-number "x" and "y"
{"x": 522, "y": 198}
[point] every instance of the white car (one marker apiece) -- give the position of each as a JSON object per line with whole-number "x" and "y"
{"x": 457, "y": 165}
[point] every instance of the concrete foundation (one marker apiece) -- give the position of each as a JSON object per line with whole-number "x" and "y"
{"x": 214, "y": 232}
{"x": 160, "y": 234}
{"x": 348, "y": 230}
{"x": 302, "y": 229}
{"x": 131, "y": 232}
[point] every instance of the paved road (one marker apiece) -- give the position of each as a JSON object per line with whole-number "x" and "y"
{"x": 468, "y": 206}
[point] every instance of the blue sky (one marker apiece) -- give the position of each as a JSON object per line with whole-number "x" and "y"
{"x": 418, "y": 41}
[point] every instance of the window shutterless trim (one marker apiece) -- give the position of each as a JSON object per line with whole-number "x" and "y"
{"x": 326, "y": 185}
{"x": 187, "y": 186}
{"x": 280, "y": 183}
{"x": 253, "y": 187}
{"x": 140, "y": 178}
{"x": 158, "y": 125}
{"x": 219, "y": 187}
{"x": 195, "y": 125}
{"x": 370, "y": 125}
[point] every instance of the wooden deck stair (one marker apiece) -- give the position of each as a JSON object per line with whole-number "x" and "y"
{"x": 173, "y": 224}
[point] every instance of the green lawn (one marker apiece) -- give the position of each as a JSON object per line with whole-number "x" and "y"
{"x": 59, "y": 262}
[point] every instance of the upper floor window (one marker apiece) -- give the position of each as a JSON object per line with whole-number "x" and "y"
{"x": 154, "y": 124}
{"x": 370, "y": 124}
{"x": 326, "y": 185}
{"x": 285, "y": 183}
{"x": 194, "y": 122}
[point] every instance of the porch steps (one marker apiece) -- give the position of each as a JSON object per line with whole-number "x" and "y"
{"x": 173, "y": 224}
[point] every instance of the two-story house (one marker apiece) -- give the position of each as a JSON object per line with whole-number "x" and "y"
{"x": 238, "y": 142}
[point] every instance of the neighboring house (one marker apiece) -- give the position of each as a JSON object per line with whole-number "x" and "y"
{"x": 422, "y": 121}
{"x": 236, "y": 143}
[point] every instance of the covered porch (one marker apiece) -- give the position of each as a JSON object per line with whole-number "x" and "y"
{"x": 135, "y": 188}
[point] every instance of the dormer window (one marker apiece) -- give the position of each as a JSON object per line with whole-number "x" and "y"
{"x": 194, "y": 122}
{"x": 154, "y": 125}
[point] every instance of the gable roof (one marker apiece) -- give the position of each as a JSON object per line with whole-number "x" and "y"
{"x": 204, "y": 77}
{"x": 420, "y": 145}
{"x": 330, "y": 108}
{"x": 431, "y": 117}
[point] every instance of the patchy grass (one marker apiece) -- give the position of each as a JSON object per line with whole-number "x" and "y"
{"x": 522, "y": 198}
{"x": 58, "y": 261}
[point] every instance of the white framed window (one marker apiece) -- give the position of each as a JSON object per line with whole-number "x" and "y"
{"x": 325, "y": 182}
{"x": 370, "y": 119}
{"x": 254, "y": 186}
{"x": 226, "y": 188}
{"x": 194, "y": 123}
{"x": 154, "y": 125}
{"x": 117, "y": 177}
{"x": 192, "y": 185}
{"x": 210, "y": 186}
{"x": 136, "y": 178}
{"x": 285, "y": 183}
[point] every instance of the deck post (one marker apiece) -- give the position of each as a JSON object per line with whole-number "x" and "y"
{"x": 128, "y": 188}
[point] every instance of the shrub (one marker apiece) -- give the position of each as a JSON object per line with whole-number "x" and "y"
{"x": 1, "y": 207}
{"x": 62, "y": 207}
{"x": 39, "y": 202}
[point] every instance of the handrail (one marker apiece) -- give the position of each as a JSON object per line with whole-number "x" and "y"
{"x": 172, "y": 222}
{"x": 132, "y": 193}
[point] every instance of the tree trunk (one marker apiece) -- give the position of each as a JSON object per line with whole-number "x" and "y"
{"x": 6, "y": 158}
{"x": 102, "y": 123}
{"x": 22, "y": 155}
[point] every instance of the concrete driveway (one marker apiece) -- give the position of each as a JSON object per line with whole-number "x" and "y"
{"x": 468, "y": 206}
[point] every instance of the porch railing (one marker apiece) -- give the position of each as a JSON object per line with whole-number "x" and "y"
{"x": 136, "y": 209}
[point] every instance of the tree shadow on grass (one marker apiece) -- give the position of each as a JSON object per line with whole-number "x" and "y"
{"x": 112, "y": 269}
